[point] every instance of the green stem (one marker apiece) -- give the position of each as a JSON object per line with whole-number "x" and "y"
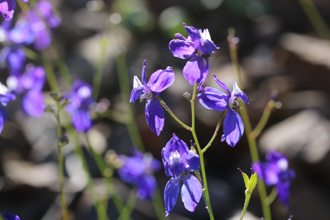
{"x": 315, "y": 18}
{"x": 215, "y": 132}
{"x": 246, "y": 203}
{"x": 247, "y": 125}
{"x": 99, "y": 68}
{"x": 201, "y": 158}
{"x": 272, "y": 196}
{"x": 172, "y": 114}
{"x": 51, "y": 78}
{"x": 130, "y": 204}
{"x": 264, "y": 119}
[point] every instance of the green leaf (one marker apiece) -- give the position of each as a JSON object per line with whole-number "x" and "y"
{"x": 245, "y": 177}
{"x": 253, "y": 182}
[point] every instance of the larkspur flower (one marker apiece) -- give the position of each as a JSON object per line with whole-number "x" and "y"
{"x": 198, "y": 46}
{"x": 81, "y": 100}
{"x": 5, "y": 97}
{"x": 14, "y": 57}
{"x": 178, "y": 160}
{"x": 29, "y": 85}
{"x": 276, "y": 172}
{"x": 10, "y": 216}
{"x": 137, "y": 170}
{"x": 211, "y": 98}
{"x": 7, "y": 8}
{"x": 158, "y": 82}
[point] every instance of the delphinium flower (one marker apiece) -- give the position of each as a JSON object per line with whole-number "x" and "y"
{"x": 10, "y": 216}
{"x": 7, "y": 8}
{"x": 138, "y": 170}
{"x": 158, "y": 82}
{"x": 29, "y": 85}
{"x": 5, "y": 97}
{"x": 198, "y": 46}
{"x": 211, "y": 98}
{"x": 276, "y": 172}
{"x": 81, "y": 100}
{"x": 178, "y": 161}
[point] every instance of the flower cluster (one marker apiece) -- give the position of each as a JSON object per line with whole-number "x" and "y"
{"x": 137, "y": 170}
{"x": 276, "y": 172}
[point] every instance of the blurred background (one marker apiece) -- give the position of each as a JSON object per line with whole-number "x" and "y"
{"x": 279, "y": 50}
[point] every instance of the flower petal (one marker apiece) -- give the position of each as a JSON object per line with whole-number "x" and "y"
{"x": 215, "y": 101}
{"x": 16, "y": 59}
{"x": 195, "y": 71}
{"x": 3, "y": 117}
{"x": 193, "y": 32}
{"x": 33, "y": 103}
{"x": 10, "y": 216}
{"x": 239, "y": 93}
{"x": 283, "y": 189}
{"x": 265, "y": 172}
{"x": 221, "y": 84}
{"x": 181, "y": 48}
{"x": 81, "y": 121}
{"x": 146, "y": 187}
{"x": 132, "y": 170}
{"x": 34, "y": 78}
{"x": 137, "y": 90}
{"x": 233, "y": 127}
{"x": 161, "y": 80}
{"x": 7, "y": 8}
{"x": 154, "y": 116}
{"x": 171, "y": 193}
{"x": 193, "y": 161}
{"x": 191, "y": 192}
{"x": 144, "y": 78}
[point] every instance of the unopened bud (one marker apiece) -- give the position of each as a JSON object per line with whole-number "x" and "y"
{"x": 187, "y": 95}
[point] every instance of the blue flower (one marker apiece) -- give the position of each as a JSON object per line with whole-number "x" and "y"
{"x": 81, "y": 100}
{"x": 30, "y": 85}
{"x": 211, "y": 98}
{"x": 158, "y": 82}
{"x": 276, "y": 172}
{"x": 178, "y": 160}
{"x": 5, "y": 97}
{"x": 10, "y": 216}
{"x": 137, "y": 170}
{"x": 198, "y": 46}
{"x": 7, "y": 8}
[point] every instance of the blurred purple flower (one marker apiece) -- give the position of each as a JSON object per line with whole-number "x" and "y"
{"x": 7, "y": 8}
{"x": 10, "y": 216}
{"x": 276, "y": 172}
{"x": 30, "y": 85}
{"x": 81, "y": 99}
{"x": 14, "y": 57}
{"x": 158, "y": 82}
{"x": 198, "y": 46}
{"x": 211, "y": 98}
{"x": 5, "y": 97}
{"x": 137, "y": 170}
{"x": 178, "y": 160}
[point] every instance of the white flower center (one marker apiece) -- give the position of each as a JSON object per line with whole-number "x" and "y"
{"x": 175, "y": 158}
{"x": 84, "y": 92}
{"x": 3, "y": 89}
{"x": 12, "y": 82}
{"x": 205, "y": 35}
{"x": 282, "y": 164}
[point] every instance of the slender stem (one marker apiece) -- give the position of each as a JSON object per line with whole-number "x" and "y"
{"x": 315, "y": 18}
{"x": 247, "y": 124}
{"x": 215, "y": 132}
{"x": 99, "y": 68}
{"x": 272, "y": 196}
{"x": 246, "y": 203}
{"x": 51, "y": 78}
{"x": 60, "y": 164}
{"x": 201, "y": 158}
{"x": 264, "y": 119}
{"x": 127, "y": 210}
{"x": 172, "y": 114}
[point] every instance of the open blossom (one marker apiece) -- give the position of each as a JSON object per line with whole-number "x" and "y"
{"x": 5, "y": 97}
{"x": 178, "y": 161}
{"x": 158, "y": 82}
{"x": 137, "y": 170}
{"x": 276, "y": 172}
{"x": 8, "y": 216}
{"x": 29, "y": 85}
{"x": 81, "y": 100}
{"x": 7, "y": 8}
{"x": 211, "y": 98}
{"x": 198, "y": 46}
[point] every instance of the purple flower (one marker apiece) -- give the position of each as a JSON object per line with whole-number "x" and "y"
{"x": 211, "y": 98}
{"x": 14, "y": 57}
{"x": 10, "y": 216}
{"x": 178, "y": 160}
{"x": 81, "y": 99}
{"x": 158, "y": 82}
{"x": 276, "y": 172}
{"x": 30, "y": 85}
{"x": 7, "y": 8}
{"x": 137, "y": 170}
{"x": 198, "y": 46}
